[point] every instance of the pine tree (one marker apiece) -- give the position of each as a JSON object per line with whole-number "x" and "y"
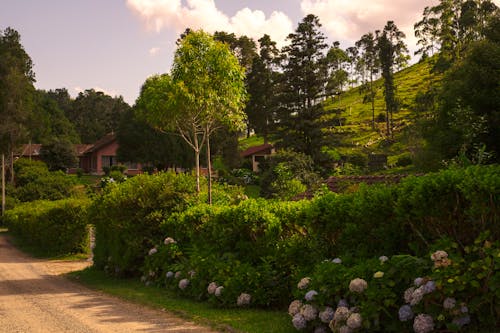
{"x": 303, "y": 89}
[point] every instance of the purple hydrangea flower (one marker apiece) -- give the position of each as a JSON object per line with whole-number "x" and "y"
{"x": 429, "y": 287}
{"x": 462, "y": 321}
{"x": 405, "y": 313}
{"x": 423, "y": 323}
{"x": 299, "y": 322}
{"x": 310, "y": 295}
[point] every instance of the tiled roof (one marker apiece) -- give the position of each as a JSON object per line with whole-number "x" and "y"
{"x": 256, "y": 149}
{"x": 105, "y": 140}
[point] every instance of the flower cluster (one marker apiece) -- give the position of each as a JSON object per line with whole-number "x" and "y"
{"x": 169, "y": 275}
{"x": 153, "y": 251}
{"x": 169, "y": 240}
{"x": 304, "y": 283}
{"x": 423, "y": 323}
{"x": 211, "y": 288}
{"x": 440, "y": 259}
{"x": 244, "y": 299}
{"x": 218, "y": 291}
{"x": 183, "y": 284}
{"x": 310, "y": 295}
{"x": 346, "y": 320}
{"x": 358, "y": 285}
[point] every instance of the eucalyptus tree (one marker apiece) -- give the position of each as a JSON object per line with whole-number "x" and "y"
{"x": 205, "y": 90}
{"x": 369, "y": 56}
{"x": 338, "y": 76}
{"x": 392, "y": 50}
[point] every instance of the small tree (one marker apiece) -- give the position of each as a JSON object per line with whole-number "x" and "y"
{"x": 59, "y": 155}
{"x": 206, "y": 89}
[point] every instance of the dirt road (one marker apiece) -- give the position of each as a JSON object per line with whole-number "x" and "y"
{"x": 33, "y": 298}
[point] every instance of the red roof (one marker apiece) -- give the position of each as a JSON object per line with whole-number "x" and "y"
{"x": 104, "y": 141}
{"x": 256, "y": 149}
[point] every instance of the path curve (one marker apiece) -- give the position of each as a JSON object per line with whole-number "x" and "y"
{"x": 35, "y": 299}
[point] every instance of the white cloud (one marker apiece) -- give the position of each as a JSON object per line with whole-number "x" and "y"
{"x": 204, "y": 14}
{"x": 348, "y": 20}
{"x": 154, "y": 51}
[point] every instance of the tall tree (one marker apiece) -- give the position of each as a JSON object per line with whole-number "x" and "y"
{"x": 337, "y": 60}
{"x": 140, "y": 143}
{"x": 467, "y": 120}
{"x": 262, "y": 82}
{"x": 391, "y": 52}
{"x": 206, "y": 90}
{"x": 48, "y": 122}
{"x": 95, "y": 114}
{"x": 369, "y": 55}
{"x": 303, "y": 89}
{"x": 16, "y": 92}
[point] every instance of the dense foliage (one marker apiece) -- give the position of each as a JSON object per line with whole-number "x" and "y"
{"x": 50, "y": 227}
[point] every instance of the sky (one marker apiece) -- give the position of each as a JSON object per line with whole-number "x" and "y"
{"x": 115, "y": 45}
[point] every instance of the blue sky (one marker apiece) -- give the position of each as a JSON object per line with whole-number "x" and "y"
{"x": 114, "y": 45}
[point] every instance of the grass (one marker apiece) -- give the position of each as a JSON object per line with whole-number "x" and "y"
{"x": 227, "y": 320}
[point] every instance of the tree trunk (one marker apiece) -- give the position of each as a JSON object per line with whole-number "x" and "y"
{"x": 372, "y": 98}
{"x": 197, "y": 159}
{"x": 3, "y": 184}
{"x": 209, "y": 166}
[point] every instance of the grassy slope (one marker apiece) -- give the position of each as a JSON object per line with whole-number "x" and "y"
{"x": 357, "y": 134}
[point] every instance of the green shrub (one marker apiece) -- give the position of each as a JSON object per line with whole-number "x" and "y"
{"x": 51, "y": 227}
{"x": 49, "y": 186}
{"x": 127, "y": 218}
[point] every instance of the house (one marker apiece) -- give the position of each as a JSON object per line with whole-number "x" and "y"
{"x": 257, "y": 154}
{"x": 92, "y": 158}
{"x": 102, "y": 154}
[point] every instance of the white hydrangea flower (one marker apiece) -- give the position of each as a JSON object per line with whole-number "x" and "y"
{"x": 152, "y": 273}
{"x": 423, "y": 323}
{"x": 345, "y": 329}
{"x": 309, "y": 312}
{"x": 342, "y": 313}
{"x": 417, "y": 296}
{"x": 310, "y": 295}
{"x": 218, "y": 291}
{"x": 408, "y": 296}
{"x": 337, "y": 261}
{"x": 439, "y": 255}
{"x": 449, "y": 303}
{"x": 326, "y": 315}
{"x": 383, "y": 259}
{"x": 299, "y": 322}
{"x": 211, "y": 288}
{"x": 294, "y": 307}
{"x": 354, "y": 321}
{"x": 304, "y": 283}
{"x": 169, "y": 275}
{"x": 169, "y": 240}
{"x": 418, "y": 281}
{"x": 183, "y": 284}
{"x": 358, "y": 285}
{"x": 153, "y": 251}
{"x": 244, "y": 299}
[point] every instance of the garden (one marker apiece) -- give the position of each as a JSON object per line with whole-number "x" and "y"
{"x": 419, "y": 256}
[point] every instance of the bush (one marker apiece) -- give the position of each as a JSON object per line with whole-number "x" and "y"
{"x": 127, "y": 218}
{"x": 51, "y": 227}
{"x": 50, "y": 186}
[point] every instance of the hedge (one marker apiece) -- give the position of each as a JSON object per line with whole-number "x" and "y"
{"x": 51, "y": 227}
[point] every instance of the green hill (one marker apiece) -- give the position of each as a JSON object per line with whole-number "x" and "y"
{"x": 355, "y": 133}
{"x": 354, "y": 136}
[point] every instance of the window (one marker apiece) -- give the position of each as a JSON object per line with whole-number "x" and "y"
{"x": 107, "y": 161}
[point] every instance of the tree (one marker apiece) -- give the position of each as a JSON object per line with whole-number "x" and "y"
{"x": 262, "y": 82}
{"x": 467, "y": 121}
{"x": 59, "y": 154}
{"x": 337, "y": 60}
{"x": 391, "y": 52}
{"x": 205, "y": 90}
{"x": 371, "y": 63}
{"x": 303, "y": 89}
{"x": 140, "y": 143}
{"x": 48, "y": 122}
{"x": 16, "y": 92}
{"x": 95, "y": 114}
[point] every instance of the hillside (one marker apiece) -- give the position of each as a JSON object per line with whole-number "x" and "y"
{"x": 355, "y": 133}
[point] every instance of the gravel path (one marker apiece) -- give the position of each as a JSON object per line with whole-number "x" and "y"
{"x": 33, "y": 298}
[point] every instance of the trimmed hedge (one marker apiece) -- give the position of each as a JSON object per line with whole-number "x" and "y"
{"x": 51, "y": 227}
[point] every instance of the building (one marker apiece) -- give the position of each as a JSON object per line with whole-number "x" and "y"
{"x": 257, "y": 154}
